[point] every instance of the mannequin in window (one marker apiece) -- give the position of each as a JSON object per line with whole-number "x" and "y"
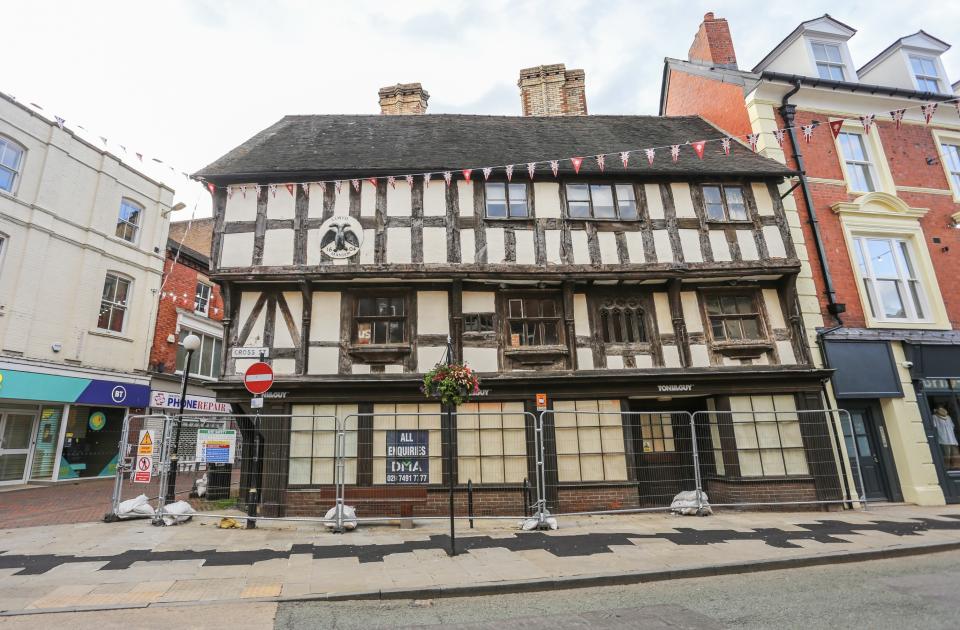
{"x": 946, "y": 436}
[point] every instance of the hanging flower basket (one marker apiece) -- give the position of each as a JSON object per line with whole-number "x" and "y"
{"x": 452, "y": 384}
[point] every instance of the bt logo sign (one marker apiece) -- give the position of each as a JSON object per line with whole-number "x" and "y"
{"x": 119, "y": 394}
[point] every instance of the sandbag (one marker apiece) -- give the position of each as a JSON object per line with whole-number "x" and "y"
{"x": 685, "y": 504}
{"x": 137, "y": 507}
{"x": 349, "y": 517}
{"x": 177, "y": 512}
{"x": 533, "y": 522}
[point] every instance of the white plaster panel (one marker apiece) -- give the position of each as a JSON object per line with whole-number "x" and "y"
{"x": 775, "y": 247}
{"x": 720, "y": 247}
{"x": 398, "y": 245}
{"x": 282, "y": 205}
{"x": 465, "y": 198}
{"x": 368, "y": 199}
{"x": 429, "y": 356}
{"x": 241, "y": 365}
{"x": 608, "y": 248}
{"x": 495, "y": 249}
{"x": 399, "y": 201}
{"x": 691, "y": 311}
{"x": 682, "y": 202}
{"x": 635, "y": 247}
{"x": 468, "y": 246}
{"x": 479, "y": 301}
{"x": 785, "y": 350}
{"x": 727, "y": 361}
{"x": 581, "y": 247}
{"x": 434, "y": 245}
{"x": 614, "y": 362}
{"x": 661, "y": 304}
{"x": 360, "y": 368}
{"x": 314, "y": 256}
{"x": 242, "y": 207}
{"x": 368, "y": 248}
{"x": 284, "y": 366}
{"x": 323, "y": 360}
{"x": 654, "y": 202}
{"x": 585, "y": 359}
{"x": 315, "y": 202}
{"x": 552, "y": 243}
{"x": 699, "y": 355}
{"x": 393, "y": 368}
{"x": 481, "y": 359}
{"x": 581, "y": 319}
{"x": 435, "y": 200}
{"x": 526, "y": 252}
{"x": 237, "y": 250}
{"x": 661, "y": 243}
{"x": 281, "y": 332}
{"x": 644, "y": 361}
{"x": 762, "y": 197}
{"x": 546, "y": 199}
{"x": 774, "y": 314}
{"x": 278, "y": 247}
{"x": 247, "y": 301}
{"x": 690, "y": 246}
{"x": 748, "y": 247}
{"x": 341, "y": 205}
{"x": 325, "y": 316}
{"x": 432, "y": 314}
{"x": 671, "y": 357}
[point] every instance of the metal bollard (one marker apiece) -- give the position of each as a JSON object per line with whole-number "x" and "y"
{"x": 252, "y": 508}
{"x": 470, "y": 501}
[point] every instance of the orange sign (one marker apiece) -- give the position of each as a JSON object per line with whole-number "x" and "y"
{"x": 541, "y": 402}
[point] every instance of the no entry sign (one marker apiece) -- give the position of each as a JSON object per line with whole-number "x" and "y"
{"x": 258, "y": 378}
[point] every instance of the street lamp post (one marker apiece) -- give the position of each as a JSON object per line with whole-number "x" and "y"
{"x": 191, "y": 343}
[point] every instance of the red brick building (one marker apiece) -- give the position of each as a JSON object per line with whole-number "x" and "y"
{"x": 879, "y": 206}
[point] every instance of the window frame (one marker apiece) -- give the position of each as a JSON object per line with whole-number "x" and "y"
{"x": 827, "y": 63}
{"x": 870, "y": 161}
{"x": 4, "y": 245}
{"x": 918, "y": 77}
{"x": 136, "y": 227}
{"x": 869, "y": 289}
{"x": 125, "y": 306}
{"x": 216, "y": 358}
{"x": 756, "y": 297}
{"x": 725, "y": 203}
{"x": 528, "y": 196}
{"x": 613, "y": 185}
{"x": 355, "y": 318}
{"x": 7, "y": 141}
{"x": 479, "y": 317}
{"x": 944, "y": 138}
{"x": 540, "y": 320}
{"x": 209, "y": 298}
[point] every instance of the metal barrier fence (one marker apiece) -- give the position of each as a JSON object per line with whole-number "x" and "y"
{"x": 404, "y": 462}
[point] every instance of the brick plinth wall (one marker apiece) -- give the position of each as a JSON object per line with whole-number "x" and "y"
{"x": 597, "y": 498}
{"x": 498, "y": 501}
{"x": 763, "y": 491}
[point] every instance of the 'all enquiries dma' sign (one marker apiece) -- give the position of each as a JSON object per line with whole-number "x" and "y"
{"x": 408, "y": 457}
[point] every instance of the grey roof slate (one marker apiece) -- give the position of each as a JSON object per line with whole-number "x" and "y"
{"x": 367, "y": 145}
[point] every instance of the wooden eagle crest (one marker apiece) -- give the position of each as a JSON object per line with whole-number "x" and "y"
{"x": 341, "y": 238}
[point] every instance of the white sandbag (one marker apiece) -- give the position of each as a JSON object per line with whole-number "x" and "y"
{"x": 349, "y": 517}
{"x": 137, "y": 507}
{"x": 533, "y": 522}
{"x": 200, "y": 487}
{"x": 177, "y": 512}
{"x": 686, "y": 504}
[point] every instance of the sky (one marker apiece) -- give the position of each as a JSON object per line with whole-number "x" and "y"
{"x": 184, "y": 81}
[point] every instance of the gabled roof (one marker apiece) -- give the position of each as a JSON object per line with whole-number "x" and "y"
{"x": 357, "y": 146}
{"x": 920, "y": 39}
{"x": 823, "y": 25}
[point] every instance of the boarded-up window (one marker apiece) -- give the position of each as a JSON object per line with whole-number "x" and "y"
{"x": 407, "y": 417}
{"x": 491, "y": 443}
{"x": 769, "y": 442}
{"x": 589, "y": 436}
{"x": 312, "y": 443}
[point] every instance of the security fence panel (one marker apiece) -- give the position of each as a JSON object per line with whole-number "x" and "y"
{"x": 139, "y": 460}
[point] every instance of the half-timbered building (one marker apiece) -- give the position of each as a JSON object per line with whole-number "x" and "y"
{"x": 657, "y": 286}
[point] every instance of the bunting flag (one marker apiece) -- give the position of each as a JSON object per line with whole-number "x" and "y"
{"x": 426, "y": 179}
{"x": 867, "y": 122}
{"x": 807, "y": 131}
{"x": 306, "y": 189}
{"x": 211, "y": 188}
{"x": 897, "y": 116}
{"x": 323, "y": 187}
{"x": 243, "y": 190}
{"x": 466, "y": 173}
{"x": 409, "y": 179}
{"x": 576, "y": 161}
{"x": 509, "y": 170}
{"x": 698, "y": 147}
{"x": 447, "y": 177}
{"x": 124, "y": 148}
{"x": 486, "y": 172}
{"x": 601, "y": 159}
{"x": 555, "y": 166}
{"x": 273, "y": 190}
{"x": 373, "y": 181}
{"x": 259, "y": 188}
{"x": 752, "y": 139}
{"x": 103, "y": 140}
{"x": 392, "y": 181}
{"x": 651, "y": 153}
{"x": 229, "y": 192}
{"x": 60, "y": 122}
{"x": 725, "y": 143}
{"x": 531, "y": 167}
{"x": 356, "y": 184}
{"x": 928, "y": 111}
{"x": 338, "y": 184}
{"x": 778, "y": 134}
{"x": 835, "y": 126}
{"x": 139, "y": 156}
{"x": 291, "y": 188}
{"x": 625, "y": 158}
{"x": 675, "y": 152}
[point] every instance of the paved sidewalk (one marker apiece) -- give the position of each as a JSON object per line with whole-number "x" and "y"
{"x": 132, "y": 564}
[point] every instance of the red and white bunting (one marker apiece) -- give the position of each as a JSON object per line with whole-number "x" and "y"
{"x": 625, "y": 158}
{"x": 867, "y": 122}
{"x": 928, "y": 111}
{"x": 291, "y": 188}
{"x": 323, "y": 187}
{"x": 259, "y": 188}
{"x": 555, "y": 166}
{"x": 243, "y": 190}
{"x": 229, "y": 192}
{"x": 675, "y": 152}
{"x": 778, "y": 134}
{"x": 509, "y": 170}
{"x": 139, "y": 156}
{"x": 835, "y": 126}
{"x": 698, "y": 147}
{"x": 467, "y": 172}
{"x": 725, "y": 144}
{"x": 211, "y": 188}
{"x": 273, "y": 190}
{"x": 392, "y": 181}
{"x": 373, "y": 181}
{"x": 338, "y": 184}
{"x": 60, "y": 122}
{"x": 601, "y": 159}
{"x": 409, "y": 179}
{"x": 486, "y": 172}
{"x": 306, "y": 189}
{"x": 897, "y": 116}
{"x": 447, "y": 177}
{"x": 576, "y": 161}
{"x": 807, "y": 131}
{"x": 651, "y": 153}
{"x": 531, "y": 167}
{"x": 356, "y": 184}
{"x": 752, "y": 139}
{"x": 426, "y": 179}
{"x": 103, "y": 139}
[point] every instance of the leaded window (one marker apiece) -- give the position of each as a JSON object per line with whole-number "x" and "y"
{"x": 734, "y": 317}
{"x": 380, "y": 320}
{"x": 601, "y": 201}
{"x": 533, "y": 321}
{"x": 621, "y": 321}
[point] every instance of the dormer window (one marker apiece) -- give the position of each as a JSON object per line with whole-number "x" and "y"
{"x": 925, "y": 73}
{"x": 829, "y": 61}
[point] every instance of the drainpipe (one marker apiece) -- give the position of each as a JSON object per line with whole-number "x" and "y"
{"x": 787, "y": 111}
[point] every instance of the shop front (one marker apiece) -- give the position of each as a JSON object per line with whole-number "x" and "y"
{"x": 56, "y": 426}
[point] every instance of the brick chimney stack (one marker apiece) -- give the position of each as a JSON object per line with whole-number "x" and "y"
{"x": 713, "y": 43}
{"x": 552, "y": 90}
{"x": 403, "y": 98}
